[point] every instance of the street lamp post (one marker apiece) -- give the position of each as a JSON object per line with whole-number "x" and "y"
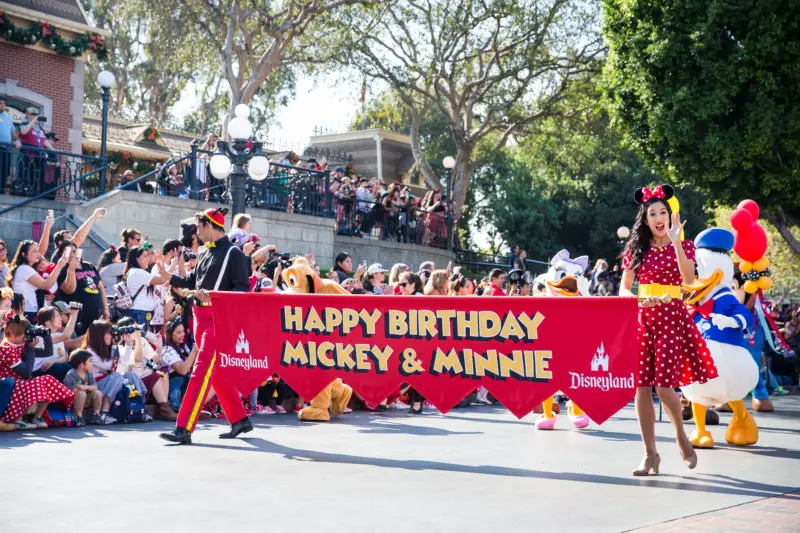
{"x": 232, "y": 157}
{"x": 449, "y": 163}
{"x": 105, "y": 80}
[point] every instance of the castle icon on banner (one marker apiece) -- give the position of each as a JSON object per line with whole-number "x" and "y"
{"x": 243, "y": 345}
{"x": 600, "y": 360}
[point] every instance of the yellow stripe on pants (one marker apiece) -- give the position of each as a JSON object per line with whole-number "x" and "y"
{"x": 201, "y": 398}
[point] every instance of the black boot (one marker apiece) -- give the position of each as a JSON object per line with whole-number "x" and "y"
{"x": 179, "y": 435}
{"x": 242, "y": 426}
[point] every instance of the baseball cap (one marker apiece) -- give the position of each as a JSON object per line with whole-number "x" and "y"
{"x": 62, "y": 307}
{"x": 374, "y": 268}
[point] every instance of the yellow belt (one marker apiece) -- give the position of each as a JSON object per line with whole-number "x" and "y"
{"x": 657, "y": 290}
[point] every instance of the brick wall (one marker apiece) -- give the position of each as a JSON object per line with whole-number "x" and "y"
{"x": 48, "y": 75}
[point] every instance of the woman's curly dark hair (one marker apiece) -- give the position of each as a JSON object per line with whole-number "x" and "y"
{"x": 641, "y": 234}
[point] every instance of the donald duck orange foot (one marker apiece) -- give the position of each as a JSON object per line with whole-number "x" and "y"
{"x": 742, "y": 431}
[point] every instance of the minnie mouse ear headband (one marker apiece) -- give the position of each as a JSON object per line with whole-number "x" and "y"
{"x": 661, "y": 192}
{"x": 214, "y": 216}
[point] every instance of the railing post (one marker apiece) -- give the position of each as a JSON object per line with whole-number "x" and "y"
{"x": 328, "y": 198}
{"x": 103, "y": 141}
{"x": 193, "y": 173}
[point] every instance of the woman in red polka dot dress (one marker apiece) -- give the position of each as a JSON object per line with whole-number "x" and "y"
{"x": 671, "y": 351}
{"x": 27, "y": 391}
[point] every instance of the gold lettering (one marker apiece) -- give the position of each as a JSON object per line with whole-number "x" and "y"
{"x": 412, "y": 322}
{"x": 294, "y": 354}
{"x": 515, "y": 364}
{"x": 349, "y": 320}
{"x": 447, "y": 316}
{"x": 333, "y": 319}
{"x": 531, "y": 324}
{"x": 467, "y": 321}
{"x": 370, "y": 319}
{"x": 486, "y": 363}
{"x": 343, "y": 355}
{"x": 382, "y": 357}
{"x": 446, "y": 362}
{"x": 542, "y": 363}
{"x": 427, "y": 323}
{"x": 312, "y": 354}
{"x": 398, "y": 324}
{"x": 511, "y": 328}
{"x": 362, "y": 361}
{"x": 489, "y": 324}
{"x": 529, "y": 370}
{"x": 314, "y": 322}
{"x": 469, "y": 363}
{"x": 325, "y": 359}
{"x": 293, "y": 318}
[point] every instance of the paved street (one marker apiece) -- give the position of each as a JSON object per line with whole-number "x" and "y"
{"x": 476, "y": 469}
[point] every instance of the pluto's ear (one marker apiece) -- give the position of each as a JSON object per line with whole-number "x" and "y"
{"x": 669, "y": 192}
{"x": 310, "y": 280}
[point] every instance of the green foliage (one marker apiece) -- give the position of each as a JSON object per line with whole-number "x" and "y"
{"x": 571, "y": 186}
{"x": 707, "y": 93}
{"x": 48, "y": 35}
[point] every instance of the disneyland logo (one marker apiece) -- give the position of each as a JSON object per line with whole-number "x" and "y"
{"x": 604, "y": 381}
{"x": 242, "y": 359}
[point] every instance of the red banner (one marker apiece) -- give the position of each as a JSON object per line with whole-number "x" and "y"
{"x": 521, "y": 349}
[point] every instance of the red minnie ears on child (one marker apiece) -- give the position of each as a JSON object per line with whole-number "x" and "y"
{"x": 645, "y": 194}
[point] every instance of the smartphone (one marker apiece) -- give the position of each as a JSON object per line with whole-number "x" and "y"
{"x": 79, "y": 254}
{"x": 50, "y": 213}
{"x": 67, "y": 252}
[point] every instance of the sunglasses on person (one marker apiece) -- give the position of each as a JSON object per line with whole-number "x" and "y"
{"x": 403, "y": 284}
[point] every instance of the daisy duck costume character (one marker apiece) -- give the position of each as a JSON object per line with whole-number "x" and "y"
{"x": 563, "y": 278}
{"x": 723, "y": 323}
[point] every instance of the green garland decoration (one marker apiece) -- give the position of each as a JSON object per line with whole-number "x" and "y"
{"x": 47, "y": 34}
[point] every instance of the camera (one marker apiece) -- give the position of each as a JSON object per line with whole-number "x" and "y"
{"x": 118, "y": 331}
{"x": 188, "y": 255}
{"x": 36, "y": 331}
{"x": 515, "y": 276}
{"x": 76, "y": 305}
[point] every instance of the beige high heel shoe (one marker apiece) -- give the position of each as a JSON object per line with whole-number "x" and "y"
{"x": 690, "y": 461}
{"x": 647, "y": 464}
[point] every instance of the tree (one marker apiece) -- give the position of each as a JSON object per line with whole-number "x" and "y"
{"x": 571, "y": 185}
{"x": 257, "y": 38}
{"x": 706, "y": 92}
{"x": 491, "y": 68}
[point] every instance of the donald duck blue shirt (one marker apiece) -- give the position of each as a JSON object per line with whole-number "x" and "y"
{"x": 721, "y": 308}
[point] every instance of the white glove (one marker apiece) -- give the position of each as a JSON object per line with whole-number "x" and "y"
{"x": 724, "y": 322}
{"x": 583, "y": 286}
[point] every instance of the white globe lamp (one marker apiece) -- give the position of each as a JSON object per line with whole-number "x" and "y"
{"x": 220, "y": 166}
{"x": 449, "y": 162}
{"x": 258, "y": 167}
{"x": 623, "y": 232}
{"x": 105, "y": 79}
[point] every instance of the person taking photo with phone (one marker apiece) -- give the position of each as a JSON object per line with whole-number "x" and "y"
{"x": 80, "y": 282}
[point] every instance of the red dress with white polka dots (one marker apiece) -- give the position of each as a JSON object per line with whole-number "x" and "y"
{"x": 28, "y": 391}
{"x": 671, "y": 351}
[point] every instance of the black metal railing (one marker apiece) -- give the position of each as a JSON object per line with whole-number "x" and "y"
{"x": 370, "y": 219}
{"x": 31, "y": 171}
{"x": 484, "y": 261}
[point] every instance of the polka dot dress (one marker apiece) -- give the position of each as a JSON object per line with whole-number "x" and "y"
{"x": 671, "y": 351}
{"x": 28, "y": 391}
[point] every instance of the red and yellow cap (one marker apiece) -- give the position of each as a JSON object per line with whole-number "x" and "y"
{"x": 215, "y": 216}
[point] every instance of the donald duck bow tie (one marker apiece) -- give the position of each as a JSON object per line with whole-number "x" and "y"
{"x": 705, "y": 309}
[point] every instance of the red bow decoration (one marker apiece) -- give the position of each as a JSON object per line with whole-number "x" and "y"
{"x": 649, "y": 194}
{"x": 705, "y": 309}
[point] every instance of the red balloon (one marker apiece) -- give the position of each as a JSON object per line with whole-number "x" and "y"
{"x": 751, "y": 245}
{"x": 741, "y": 220}
{"x": 751, "y": 206}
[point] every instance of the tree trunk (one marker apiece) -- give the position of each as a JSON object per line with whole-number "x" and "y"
{"x": 462, "y": 173}
{"x": 778, "y": 219}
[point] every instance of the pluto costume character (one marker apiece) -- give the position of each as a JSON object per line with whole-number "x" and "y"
{"x": 722, "y": 321}
{"x": 333, "y": 400}
{"x": 563, "y": 278}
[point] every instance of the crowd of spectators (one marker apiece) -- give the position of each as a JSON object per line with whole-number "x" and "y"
{"x": 93, "y": 336}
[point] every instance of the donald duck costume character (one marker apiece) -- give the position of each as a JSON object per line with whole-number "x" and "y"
{"x": 723, "y": 322}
